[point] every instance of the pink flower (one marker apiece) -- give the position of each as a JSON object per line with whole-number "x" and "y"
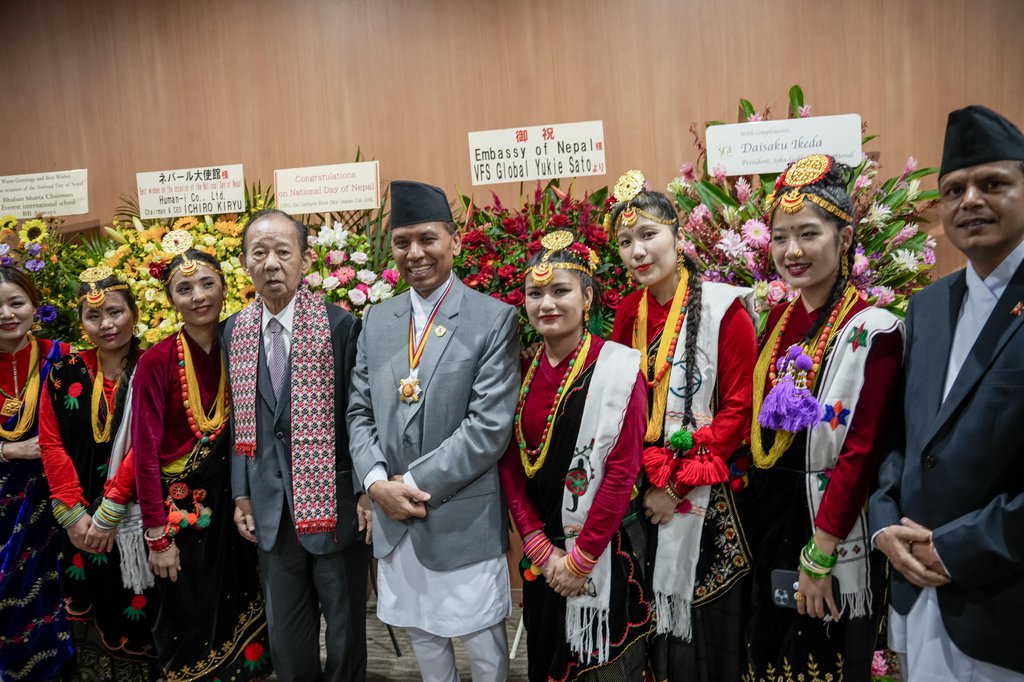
{"x": 804, "y": 111}
{"x": 862, "y": 182}
{"x": 903, "y": 235}
{"x": 719, "y": 173}
{"x": 390, "y": 276}
{"x": 860, "y": 264}
{"x": 742, "y": 190}
{"x": 686, "y": 172}
{"x": 698, "y": 216}
{"x": 754, "y": 117}
{"x": 911, "y": 165}
{"x": 689, "y": 249}
{"x": 344, "y": 275}
{"x": 929, "y": 256}
{"x": 357, "y": 296}
{"x": 731, "y": 244}
{"x": 777, "y": 290}
{"x": 336, "y": 257}
{"x": 363, "y": 288}
{"x": 883, "y": 295}
{"x": 314, "y": 279}
{"x": 756, "y": 233}
{"x": 878, "y": 665}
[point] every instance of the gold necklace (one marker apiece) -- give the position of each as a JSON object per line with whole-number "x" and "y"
{"x": 101, "y": 435}
{"x": 28, "y": 397}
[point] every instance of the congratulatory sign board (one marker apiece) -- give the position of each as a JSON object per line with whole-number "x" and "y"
{"x": 57, "y": 193}
{"x": 770, "y": 146}
{"x": 338, "y": 187}
{"x": 566, "y": 150}
{"x": 191, "y": 191}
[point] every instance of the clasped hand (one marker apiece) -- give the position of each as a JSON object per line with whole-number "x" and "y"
{"x": 910, "y": 549}
{"x": 399, "y": 500}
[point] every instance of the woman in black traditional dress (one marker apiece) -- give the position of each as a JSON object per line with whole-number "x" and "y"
{"x": 80, "y": 412}
{"x": 568, "y": 477}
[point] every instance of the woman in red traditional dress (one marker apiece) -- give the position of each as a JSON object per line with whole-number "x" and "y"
{"x": 81, "y": 410}
{"x": 825, "y": 377}
{"x": 568, "y": 477}
{"x": 698, "y": 345}
{"x": 35, "y": 637}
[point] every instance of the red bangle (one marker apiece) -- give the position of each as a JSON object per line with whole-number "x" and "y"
{"x": 578, "y": 564}
{"x": 160, "y": 544}
{"x": 538, "y": 549}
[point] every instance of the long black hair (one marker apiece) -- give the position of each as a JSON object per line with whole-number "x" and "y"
{"x": 658, "y": 205}
{"x": 831, "y": 188}
{"x": 131, "y": 359}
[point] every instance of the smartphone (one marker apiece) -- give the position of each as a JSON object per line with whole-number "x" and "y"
{"x": 786, "y": 583}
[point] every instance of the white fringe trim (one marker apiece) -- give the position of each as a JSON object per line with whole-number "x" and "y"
{"x": 587, "y": 630}
{"x": 856, "y": 604}
{"x": 674, "y": 616}
{"x": 136, "y": 575}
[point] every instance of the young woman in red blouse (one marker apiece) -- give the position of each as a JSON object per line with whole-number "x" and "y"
{"x": 81, "y": 411}
{"x": 699, "y": 345}
{"x": 828, "y": 365}
{"x": 568, "y": 478}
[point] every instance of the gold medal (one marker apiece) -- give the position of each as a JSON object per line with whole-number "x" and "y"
{"x": 10, "y": 407}
{"x": 409, "y": 390}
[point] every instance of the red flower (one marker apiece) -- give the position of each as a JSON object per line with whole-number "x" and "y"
{"x": 506, "y": 271}
{"x": 156, "y": 269}
{"x": 533, "y": 247}
{"x": 610, "y": 298}
{"x": 76, "y": 560}
{"x": 138, "y": 602}
{"x": 596, "y": 236}
{"x": 560, "y": 220}
{"x": 253, "y": 651}
{"x": 515, "y": 297}
{"x": 75, "y": 390}
{"x": 485, "y": 275}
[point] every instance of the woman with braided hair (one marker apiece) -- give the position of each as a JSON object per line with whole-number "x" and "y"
{"x": 828, "y": 366}
{"x": 568, "y": 477}
{"x": 698, "y": 346}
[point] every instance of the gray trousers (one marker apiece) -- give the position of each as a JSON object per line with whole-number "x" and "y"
{"x": 298, "y": 587}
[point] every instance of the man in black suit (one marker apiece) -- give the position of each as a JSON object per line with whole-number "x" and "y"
{"x": 949, "y": 511}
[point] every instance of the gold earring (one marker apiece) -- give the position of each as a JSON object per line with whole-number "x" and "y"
{"x": 844, "y": 267}
{"x": 629, "y": 278}
{"x": 680, "y": 261}
{"x": 586, "y": 317}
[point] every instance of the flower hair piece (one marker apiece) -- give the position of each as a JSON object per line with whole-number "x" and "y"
{"x": 178, "y": 242}
{"x": 562, "y": 240}
{"x": 802, "y": 173}
{"x": 97, "y": 295}
{"x": 629, "y": 185}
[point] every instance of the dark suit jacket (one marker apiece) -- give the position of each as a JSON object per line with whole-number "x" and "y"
{"x": 266, "y": 479}
{"x": 957, "y": 467}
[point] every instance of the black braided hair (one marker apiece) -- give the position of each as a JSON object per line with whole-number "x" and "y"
{"x": 658, "y": 205}
{"x": 832, "y": 188}
{"x": 132, "y": 357}
{"x": 586, "y": 281}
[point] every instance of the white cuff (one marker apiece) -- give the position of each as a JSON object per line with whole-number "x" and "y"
{"x": 377, "y": 473}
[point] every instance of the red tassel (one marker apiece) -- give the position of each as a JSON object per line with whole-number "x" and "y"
{"x": 246, "y": 449}
{"x": 658, "y": 465}
{"x": 703, "y": 469}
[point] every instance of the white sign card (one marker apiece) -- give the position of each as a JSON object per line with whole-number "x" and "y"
{"x": 565, "y": 150}
{"x": 770, "y": 146}
{"x": 191, "y": 191}
{"x": 56, "y": 193}
{"x": 338, "y": 187}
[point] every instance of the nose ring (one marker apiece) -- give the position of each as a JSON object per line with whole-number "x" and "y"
{"x": 798, "y": 253}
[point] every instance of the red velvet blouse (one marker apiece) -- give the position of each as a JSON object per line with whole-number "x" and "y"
{"x": 22, "y": 358}
{"x": 622, "y": 466}
{"x": 737, "y": 355}
{"x": 859, "y": 458}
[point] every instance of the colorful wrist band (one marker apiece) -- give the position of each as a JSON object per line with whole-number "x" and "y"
{"x": 672, "y": 493}
{"x": 67, "y": 516}
{"x": 819, "y": 557}
{"x": 538, "y": 549}
{"x": 109, "y": 514}
{"x": 579, "y": 564}
{"x": 160, "y": 544}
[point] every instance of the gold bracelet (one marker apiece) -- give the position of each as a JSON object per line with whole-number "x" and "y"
{"x": 672, "y": 494}
{"x": 3, "y": 460}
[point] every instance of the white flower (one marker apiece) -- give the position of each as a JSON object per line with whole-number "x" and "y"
{"x": 905, "y": 259}
{"x": 166, "y": 323}
{"x": 227, "y": 267}
{"x": 913, "y": 189}
{"x": 357, "y": 296}
{"x": 730, "y": 215}
{"x": 366, "y": 276}
{"x": 358, "y": 257}
{"x": 150, "y": 295}
{"x": 109, "y": 254}
{"x": 380, "y": 291}
{"x": 210, "y": 240}
{"x": 761, "y": 289}
{"x": 138, "y": 224}
{"x": 330, "y": 282}
{"x": 676, "y": 186}
{"x": 731, "y": 244}
{"x": 314, "y": 279}
{"x": 332, "y": 237}
{"x": 877, "y": 215}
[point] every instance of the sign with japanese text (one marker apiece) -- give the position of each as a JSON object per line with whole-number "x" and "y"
{"x": 191, "y": 191}
{"x": 566, "y": 150}
{"x": 57, "y": 193}
{"x": 318, "y": 189}
{"x": 770, "y": 146}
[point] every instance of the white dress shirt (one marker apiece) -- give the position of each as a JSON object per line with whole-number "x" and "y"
{"x": 286, "y": 317}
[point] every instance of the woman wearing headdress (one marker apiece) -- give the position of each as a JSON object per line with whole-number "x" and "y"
{"x": 81, "y": 409}
{"x": 823, "y": 381}
{"x": 568, "y": 477}
{"x": 210, "y": 621}
{"x": 698, "y": 346}
{"x": 35, "y": 638}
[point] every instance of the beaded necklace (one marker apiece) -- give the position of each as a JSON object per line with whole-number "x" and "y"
{"x": 533, "y": 459}
{"x": 766, "y": 368}
{"x": 100, "y": 434}
{"x": 28, "y": 397}
{"x": 205, "y": 427}
{"x": 666, "y": 352}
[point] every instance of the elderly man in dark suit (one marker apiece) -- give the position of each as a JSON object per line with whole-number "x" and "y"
{"x": 949, "y": 512}
{"x": 290, "y": 356}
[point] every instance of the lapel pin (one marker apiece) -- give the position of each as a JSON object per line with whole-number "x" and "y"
{"x": 440, "y": 330}
{"x": 1017, "y": 309}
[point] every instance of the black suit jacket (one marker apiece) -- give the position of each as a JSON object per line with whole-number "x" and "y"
{"x": 957, "y": 467}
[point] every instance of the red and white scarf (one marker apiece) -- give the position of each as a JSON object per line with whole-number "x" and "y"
{"x": 312, "y": 405}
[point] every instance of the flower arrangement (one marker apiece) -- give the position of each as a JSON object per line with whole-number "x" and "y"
{"x": 36, "y": 246}
{"x": 343, "y": 272}
{"x": 725, "y": 221}
{"x": 885, "y": 667}
{"x": 498, "y": 240}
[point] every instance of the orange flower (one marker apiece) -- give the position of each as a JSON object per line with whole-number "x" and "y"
{"x": 185, "y": 223}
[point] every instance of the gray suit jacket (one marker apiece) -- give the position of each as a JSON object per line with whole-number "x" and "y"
{"x": 266, "y": 478}
{"x": 957, "y": 467}
{"x": 452, "y": 439}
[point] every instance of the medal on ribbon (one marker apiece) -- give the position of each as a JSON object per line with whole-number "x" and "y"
{"x": 409, "y": 389}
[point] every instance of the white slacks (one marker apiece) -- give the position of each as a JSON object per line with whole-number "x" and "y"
{"x": 487, "y": 650}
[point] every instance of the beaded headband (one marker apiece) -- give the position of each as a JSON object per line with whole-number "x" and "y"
{"x": 562, "y": 240}
{"x": 807, "y": 171}
{"x": 628, "y": 186}
{"x": 178, "y": 242}
{"x": 97, "y": 295}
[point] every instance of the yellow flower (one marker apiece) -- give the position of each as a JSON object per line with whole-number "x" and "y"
{"x": 8, "y": 222}
{"x": 228, "y": 228}
{"x": 33, "y": 231}
{"x": 185, "y": 223}
{"x": 153, "y": 234}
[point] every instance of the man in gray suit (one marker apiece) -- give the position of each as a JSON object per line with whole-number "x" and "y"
{"x": 290, "y": 357}
{"x": 949, "y": 511}
{"x": 433, "y": 395}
